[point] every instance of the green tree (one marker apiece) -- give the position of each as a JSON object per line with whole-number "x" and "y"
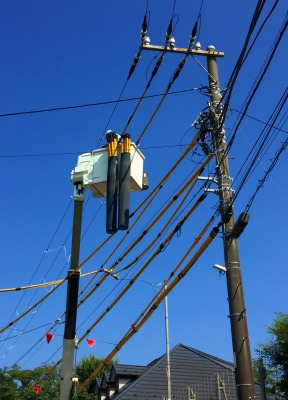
{"x": 84, "y": 369}
{"x": 19, "y": 384}
{"x": 8, "y": 388}
{"x": 275, "y": 351}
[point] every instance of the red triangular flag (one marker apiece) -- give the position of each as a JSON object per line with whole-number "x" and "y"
{"x": 37, "y": 388}
{"x": 90, "y": 342}
{"x": 49, "y": 337}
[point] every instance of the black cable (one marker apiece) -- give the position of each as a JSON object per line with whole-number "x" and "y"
{"x": 264, "y": 179}
{"x": 239, "y": 63}
{"x": 24, "y": 332}
{"x": 101, "y": 103}
{"x": 280, "y": 35}
{"x": 41, "y": 260}
{"x": 262, "y": 132}
{"x": 258, "y": 120}
{"x": 260, "y": 29}
{"x": 61, "y": 154}
{"x": 276, "y": 111}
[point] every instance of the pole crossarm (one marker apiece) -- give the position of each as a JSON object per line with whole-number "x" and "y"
{"x": 182, "y": 50}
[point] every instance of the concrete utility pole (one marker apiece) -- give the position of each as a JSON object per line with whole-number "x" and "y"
{"x": 238, "y": 320}
{"x": 72, "y": 298}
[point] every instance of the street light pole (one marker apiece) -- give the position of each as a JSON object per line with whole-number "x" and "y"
{"x": 167, "y": 349}
{"x": 238, "y": 320}
{"x": 72, "y": 298}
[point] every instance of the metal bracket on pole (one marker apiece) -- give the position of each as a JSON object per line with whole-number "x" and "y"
{"x": 79, "y": 191}
{"x": 209, "y": 179}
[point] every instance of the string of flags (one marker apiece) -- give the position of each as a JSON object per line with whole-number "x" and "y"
{"x": 50, "y": 336}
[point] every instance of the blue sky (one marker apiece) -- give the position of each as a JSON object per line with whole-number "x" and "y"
{"x": 57, "y": 54}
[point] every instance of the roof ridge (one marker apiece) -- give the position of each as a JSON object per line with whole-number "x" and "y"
{"x": 217, "y": 360}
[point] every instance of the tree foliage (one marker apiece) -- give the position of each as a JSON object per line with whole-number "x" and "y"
{"x": 275, "y": 351}
{"x": 84, "y": 369}
{"x": 18, "y": 384}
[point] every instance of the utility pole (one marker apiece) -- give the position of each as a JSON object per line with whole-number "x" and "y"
{"x": 238, "y": 320}
{"x": 169, "y": 395}
{"x": 72, "y": 298}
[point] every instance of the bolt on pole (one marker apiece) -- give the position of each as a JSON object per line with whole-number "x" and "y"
{"x": 69, "y": 343}
{"x": 239, "y": 330}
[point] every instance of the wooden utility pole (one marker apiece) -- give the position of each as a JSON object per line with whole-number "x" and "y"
{"x": 238, "y": 320}
{"x": 72, "y": 298}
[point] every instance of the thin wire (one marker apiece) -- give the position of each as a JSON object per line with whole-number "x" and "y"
{"x": 258, "y": 120}
{"x": 44, "y": 110}
{"x": 161, "y": 297}
{"x": 263, "y": 180}
{"x": 280, "y": 35}
{"x": 263, "y": 167}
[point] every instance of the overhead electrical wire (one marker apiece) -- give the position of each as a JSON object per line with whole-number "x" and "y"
{"x": 110, "y": 270}
{"x": 135, "y": 327}
{"x": 257, "y": 120}
{"x": 28, "y": 308}
{"x": 234, "y": 75}
{"x": 163, "y": 181}
{"x": 260, "y": 161}
{"x": 148, "y": 200}
{"x": 162, "y": 247}
{"x": 270, "y": 125}
{"x": 131, "y": 71}
{"x": 174, "y": 271}
{"x": 257, "y": 84}
{"x": 136, "y": 276}
{"x": 172, "y": 80}
{"x": 143, "y": 268}
{"x": 260, "y": 29}
{"x": 266, "y": 175}
{"x": 24, "y": 332}
{"x": 179, "y": 225}
{"x": 271, "y": 139}
{"x": 153, "y": 74}
{"x": 39, "y": 285}
{"x": 275, "y": 46}
{"x": 101, "y": 103}
{"x": 275, "y": 114}
{"x": 33, "y": 296}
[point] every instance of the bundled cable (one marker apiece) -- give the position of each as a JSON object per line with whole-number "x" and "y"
{"x": 112, "y": 176}
{"x": 135, "y": 327}
{"x": 124, "y": 183}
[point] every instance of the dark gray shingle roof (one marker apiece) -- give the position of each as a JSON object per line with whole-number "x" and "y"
{"x": 131, "y": 370}
{"x": 188, "y": 367}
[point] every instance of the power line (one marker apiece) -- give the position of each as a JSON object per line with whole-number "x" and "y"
{"x": 100, "y": 103}
{"x": 257, "y": 120}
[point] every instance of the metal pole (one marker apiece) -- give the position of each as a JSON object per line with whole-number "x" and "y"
{"x": 72, "y": 299}
{"x": 240, "y": 338}
{"x": 167, "y": 349}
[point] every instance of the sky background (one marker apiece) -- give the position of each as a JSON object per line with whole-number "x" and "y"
{"x": 57, "y": 54}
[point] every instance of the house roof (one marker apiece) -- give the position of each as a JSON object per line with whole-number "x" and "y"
{"x": 189, "y": 368}
{"x": 128, "y": 370}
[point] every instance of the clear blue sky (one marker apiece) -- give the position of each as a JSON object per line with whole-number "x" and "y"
{"x": 57, "y": 54}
